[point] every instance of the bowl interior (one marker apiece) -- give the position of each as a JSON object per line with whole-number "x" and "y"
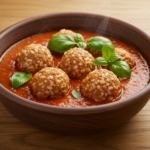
{"x": 77, "y": 21}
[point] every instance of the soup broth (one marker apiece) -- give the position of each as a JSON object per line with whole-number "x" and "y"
{"x": 138, "y": 80}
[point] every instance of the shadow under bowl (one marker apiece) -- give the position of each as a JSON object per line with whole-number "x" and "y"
{"x": 76, "y": 120}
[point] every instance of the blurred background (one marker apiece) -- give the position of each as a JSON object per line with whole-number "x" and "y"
{"x": 134, "y": 135}
{"x": 133, "y": 11}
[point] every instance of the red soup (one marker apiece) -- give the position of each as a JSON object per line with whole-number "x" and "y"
{"x": 138, "y": 80}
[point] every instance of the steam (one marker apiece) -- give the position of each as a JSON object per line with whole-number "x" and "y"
{"x": 103, "y": 9}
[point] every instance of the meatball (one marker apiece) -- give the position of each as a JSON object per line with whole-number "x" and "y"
{"x": 125, "y": 57}
{"x": 66, "y": 32}
{"x": 101, "y": 85}
{"x": 93, "y": 52}
{"x": 50, "y": 83}
{"x": 77, "y": 63}
{"x": 33, "y": 58}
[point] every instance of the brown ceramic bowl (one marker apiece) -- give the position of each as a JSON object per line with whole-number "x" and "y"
{"x": 76, "y": 120}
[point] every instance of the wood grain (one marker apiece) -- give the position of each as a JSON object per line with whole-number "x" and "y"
{"x": 135, "y": 135}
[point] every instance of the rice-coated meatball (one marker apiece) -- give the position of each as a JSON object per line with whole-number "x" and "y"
{"x": 66, "y": 32}
{"x": 50, "y": 83}
{"x": 125, "y": 57}
{"x": 101, "y": 85}
{"x": 77, "y": 63}
{"x": 93, "y": 52}
{"x": 33, "y": 58}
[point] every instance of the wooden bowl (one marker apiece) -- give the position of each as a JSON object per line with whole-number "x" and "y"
{"x": 76, "y": 120}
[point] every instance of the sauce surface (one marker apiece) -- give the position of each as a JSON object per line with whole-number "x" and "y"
{"x": 138, "y": 80}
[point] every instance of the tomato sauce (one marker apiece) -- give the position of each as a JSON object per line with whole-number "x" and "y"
{"x": 138, "y": 80}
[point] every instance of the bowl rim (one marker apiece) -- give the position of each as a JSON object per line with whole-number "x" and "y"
{"x": 71, "y": 110}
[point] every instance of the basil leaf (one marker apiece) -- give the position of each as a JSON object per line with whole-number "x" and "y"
{"x": 81, "y": 45}
{"x": 96, "y": 43}
{"x": 75, "y": 94}
{"x": 79, "y": 37}
{"x": 108, "y": 50}
{"x": 61, "y": 43}
{"x": 20, "y": 78}
{"x": 121, "y": 69}
{"x": 101, "y": 61}
{"x": 114, "y": 57}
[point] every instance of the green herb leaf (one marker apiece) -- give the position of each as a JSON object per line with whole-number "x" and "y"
{"x": 114, "y": 57}
{"x": 108, "y": 50}
{"x": 96, "y": 43}
{"x": 79, "y": 37}
{"x": 75, "y": 94}
{"x": 20, "y": 78}
{"x": 101, "y": 61}
{"x": 61, "y": 43}
{"x": 81, "y": 45}
{"x": 121, "y": 69}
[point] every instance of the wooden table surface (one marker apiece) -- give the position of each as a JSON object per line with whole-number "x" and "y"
{"x": 134, "y": 135}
